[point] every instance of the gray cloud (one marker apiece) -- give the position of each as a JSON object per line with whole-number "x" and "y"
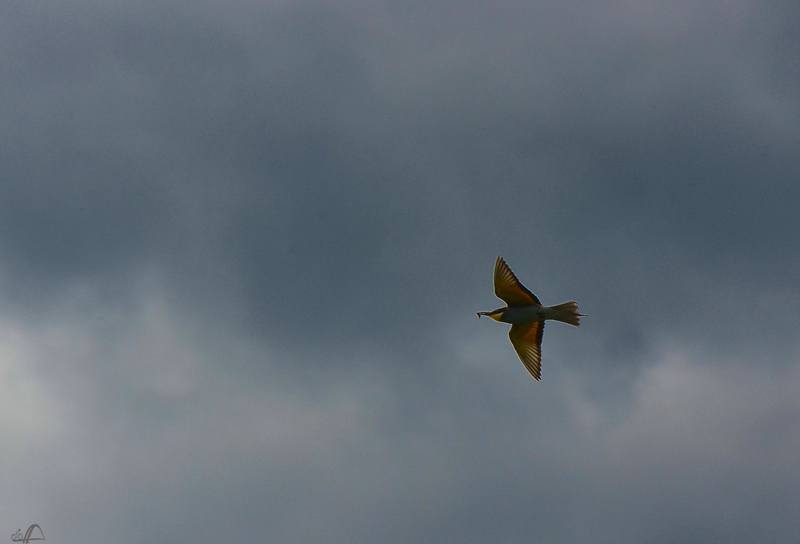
{"x": 242, "y": 250}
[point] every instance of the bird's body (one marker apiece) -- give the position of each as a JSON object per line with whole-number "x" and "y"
{"x": 527, "y": 316}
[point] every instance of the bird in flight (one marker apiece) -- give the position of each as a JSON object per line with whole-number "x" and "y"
{"x": 526, "y": 315}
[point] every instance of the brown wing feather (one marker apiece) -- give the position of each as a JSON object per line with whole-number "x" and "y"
{"x": 508, "y": 288}
{"x": 527, "y": 341}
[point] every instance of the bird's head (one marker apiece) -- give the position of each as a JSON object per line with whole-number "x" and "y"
{"x": 494, "y": 314}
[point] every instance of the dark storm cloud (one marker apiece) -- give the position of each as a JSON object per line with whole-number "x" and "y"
{"x": 241, "y": 250}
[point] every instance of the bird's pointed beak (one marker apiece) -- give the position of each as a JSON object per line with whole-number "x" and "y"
{"x": 481, "y": 313}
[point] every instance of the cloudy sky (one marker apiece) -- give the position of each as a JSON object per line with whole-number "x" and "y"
{"x": 242, "y": 246}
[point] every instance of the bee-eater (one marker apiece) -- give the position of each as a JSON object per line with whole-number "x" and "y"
{"x": 527, "y": 316}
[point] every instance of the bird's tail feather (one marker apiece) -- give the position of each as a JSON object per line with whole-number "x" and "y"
{"x": 566, "y": 312}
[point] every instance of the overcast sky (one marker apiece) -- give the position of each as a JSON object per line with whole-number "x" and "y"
{"x": 242, "y": 246}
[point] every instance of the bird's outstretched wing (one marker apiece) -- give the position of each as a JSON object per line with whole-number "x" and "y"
{"x": 527, "y": 341}
{"x": 508, "y": 288}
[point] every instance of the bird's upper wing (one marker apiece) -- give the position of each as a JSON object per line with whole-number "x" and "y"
{"x": 527, "y": 341}
{"x": 508, "y": 288}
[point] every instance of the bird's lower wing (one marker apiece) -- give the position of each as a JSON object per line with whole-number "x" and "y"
{"x": 527, "y": 341}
